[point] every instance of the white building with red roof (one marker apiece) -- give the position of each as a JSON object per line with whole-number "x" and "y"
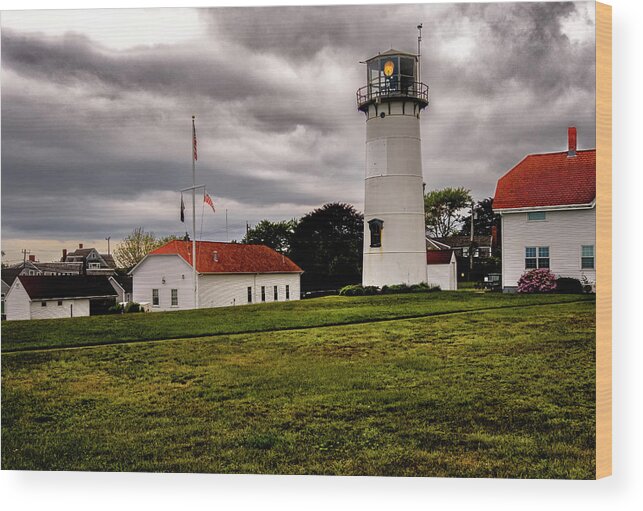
{"x": 228, "y": 274}
{"x": 547, "y": 204}
{"x": 442, "y": 269}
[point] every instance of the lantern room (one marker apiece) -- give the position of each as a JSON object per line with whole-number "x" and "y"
{"x": 392, "y": 75}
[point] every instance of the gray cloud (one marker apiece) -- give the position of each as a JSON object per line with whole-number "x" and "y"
{"x": 273, "y": 90}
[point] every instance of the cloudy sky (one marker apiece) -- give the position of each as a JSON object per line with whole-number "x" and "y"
{"x": 96, "y": 108}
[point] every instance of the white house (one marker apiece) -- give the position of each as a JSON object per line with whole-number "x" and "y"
{"x": 122, "y": 284}
{"x": 227, "y": 274}
{"x": 547, "y": 204}
{"x": 442, "y": 269}
{"x": 49, "y": 297}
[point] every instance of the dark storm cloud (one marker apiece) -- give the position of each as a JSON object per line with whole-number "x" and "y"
{"x": 74, "y": 58}
{"x": 100, "y": 137}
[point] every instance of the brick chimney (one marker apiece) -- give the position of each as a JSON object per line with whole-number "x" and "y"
{"x": 571, "y": 141}
{"x": 32, "y": 258}
{"x": 64, "y": 255}
{"x": 80, "y": 245}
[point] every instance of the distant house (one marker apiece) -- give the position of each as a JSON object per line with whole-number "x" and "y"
{"x": 122, "y": 284}
{"x": 227, "y": 274}
{"x": 442, "y": 269}
{"x": 547, "y": 204}
{"x": 92, "y": 262}
{"x": 483, "y": 245}
{"x": 47, "y": 297}
{"x": 35, "y": 267}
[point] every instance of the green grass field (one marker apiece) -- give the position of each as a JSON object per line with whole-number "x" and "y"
{"x": 493, "y": 392}
{"x": 333, "y": 310}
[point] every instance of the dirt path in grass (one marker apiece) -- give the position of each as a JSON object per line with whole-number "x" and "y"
{"x": 288, "y": 329}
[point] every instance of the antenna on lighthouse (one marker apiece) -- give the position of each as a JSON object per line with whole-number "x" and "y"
{"x": 419, "y": 27}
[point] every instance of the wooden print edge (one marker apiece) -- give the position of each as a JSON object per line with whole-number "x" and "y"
{"x": 603, "y": 240}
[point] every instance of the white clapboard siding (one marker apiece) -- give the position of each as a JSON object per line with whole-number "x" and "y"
{"x": 443, "y": 275}
{"x": 17, "y": 303}
{"x": 232, "y": 289}
{"x": 564, "y": 232}
{"x": 52, "y": 310}
{"x": 177, "y": 274}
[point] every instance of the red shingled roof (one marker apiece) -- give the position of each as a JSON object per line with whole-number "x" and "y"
{"x": 230, "y": 257}
{"x": 551, "y": 179}
{"x": 438, "y": 256}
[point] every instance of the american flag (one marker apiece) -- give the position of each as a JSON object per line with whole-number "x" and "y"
{"x": 208, "y": 200}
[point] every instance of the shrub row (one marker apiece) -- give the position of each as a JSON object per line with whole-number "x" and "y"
{"x": 544, "y": 281}
{"x": 127, "y": 308}
{"x": 359, "y": 290}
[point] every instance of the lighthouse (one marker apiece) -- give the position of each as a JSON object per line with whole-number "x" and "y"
{"x": 394, "y": 234}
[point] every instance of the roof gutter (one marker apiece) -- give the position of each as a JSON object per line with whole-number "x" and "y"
{"x": 560, "y": 207}
{"x": 70, "y": 297}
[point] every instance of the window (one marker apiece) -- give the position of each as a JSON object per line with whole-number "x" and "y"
{"x": 263, "y": 293}
{"x": 93, "y": 266}
{"x": 60, "y": 303}
{"x": 536, "y": 216}
{"x": 587, "y": 257}
{"x": 276, "y": 293}
{"x": 43, "y": 304}
{"x": 465, "y": 251}
{"x": 375, "y": 227}
{"x": 287, "y": 292}
{"x": 249, "y": 294}
{"x": 175, "y": 297}
{"x": 155, "y": 297}
{"x": 536, "y": 257}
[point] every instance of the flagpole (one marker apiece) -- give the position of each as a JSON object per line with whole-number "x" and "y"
{"x": 194, "y": 278}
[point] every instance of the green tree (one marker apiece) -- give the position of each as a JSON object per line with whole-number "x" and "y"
{"x": 136, "y": 245}
{"x": 442, "y": 210}
{"x": 483, "y": 220}
{"x": 327, "y": 244}
{"x": 276, "y": 235}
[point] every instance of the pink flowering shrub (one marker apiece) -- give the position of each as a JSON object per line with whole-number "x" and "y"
{"x": 537, "y": 281}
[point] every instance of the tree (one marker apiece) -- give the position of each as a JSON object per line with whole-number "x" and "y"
{"x": 137, "y": 245}
{"x": 483, "y": 220}
{"x": 442, "y": 210}
{"x": 328, "y": 244}
{"x": 276, "y": 235}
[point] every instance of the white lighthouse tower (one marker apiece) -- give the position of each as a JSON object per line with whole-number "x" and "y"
{"x": 394, "y": 235}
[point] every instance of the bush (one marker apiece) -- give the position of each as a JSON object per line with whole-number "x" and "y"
{"x": 132, "y": 307}
{"x": 115, "y": 309}
{"x": 568, "y": 285}
{"x": 352, "y": 290}
{"x": 359, "y": 290}
{"x": 537, "y": 281}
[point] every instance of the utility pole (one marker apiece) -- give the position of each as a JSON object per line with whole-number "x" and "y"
{"x": 108, "y": 238}
{"x": 227, "y": 237}
{"x": 25, "y": 252}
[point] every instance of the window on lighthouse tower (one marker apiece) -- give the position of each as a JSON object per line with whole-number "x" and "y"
{"x": 375, "y": 227}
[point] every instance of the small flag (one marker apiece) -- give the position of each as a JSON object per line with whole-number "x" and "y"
{"x": 194, "y": 153}
{"x": 182, "y": 209}
{"x": 208, "y": 200}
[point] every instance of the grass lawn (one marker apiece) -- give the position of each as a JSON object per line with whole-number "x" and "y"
{"x": 505, "y": 392}
{"x": 332, "y": 310}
